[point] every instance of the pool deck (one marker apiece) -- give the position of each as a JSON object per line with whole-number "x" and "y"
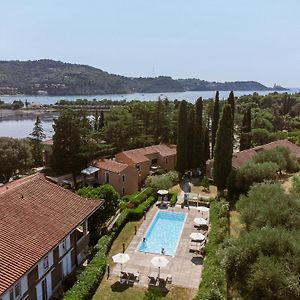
{"x": 185, "y": 267}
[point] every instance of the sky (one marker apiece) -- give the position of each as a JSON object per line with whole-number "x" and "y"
{"x": 215, "y": 40}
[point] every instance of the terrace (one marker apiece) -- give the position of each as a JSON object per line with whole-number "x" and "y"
{"x": 185, "y": 266}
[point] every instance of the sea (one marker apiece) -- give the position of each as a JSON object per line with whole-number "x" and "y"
{"x": 19, "y": 125}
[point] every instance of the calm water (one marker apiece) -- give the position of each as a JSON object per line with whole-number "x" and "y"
{"x": 164, "y": 232}
{"x": 20, "y": 128}
{"x": 188, "y": 96}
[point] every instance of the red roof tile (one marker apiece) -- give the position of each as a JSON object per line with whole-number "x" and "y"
{"x": 48, "y": 142}
{"x": 35, "y": 215}
{"x": 140, "y": 155}
{"x": 239, "y": 158}
{"x": 110, "y": 165}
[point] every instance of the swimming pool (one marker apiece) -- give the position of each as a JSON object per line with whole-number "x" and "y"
{"x": 164, "y": 232}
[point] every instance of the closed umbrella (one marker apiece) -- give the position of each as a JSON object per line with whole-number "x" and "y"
{"x": 163, "y": 192}
{"x": 200, "y": 221}
{"x": 197, "y": 236}
{"x": 121, "y": 258}
{"x": 160, "y": 262}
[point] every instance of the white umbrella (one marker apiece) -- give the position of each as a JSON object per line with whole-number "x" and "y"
{"x": 197, "y": 236}
{"x": 160, "y": 262}
{"x": 121, "y": 258}
{"x": 163, "y": 192}
{"x": 203, "y": 209}
{"x": 200, "y": 221}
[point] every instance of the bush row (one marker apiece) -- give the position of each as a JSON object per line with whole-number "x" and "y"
{"x": 214, "y": 284}
{"x": 132, "y": 201}
{"x": 89, "y": 280}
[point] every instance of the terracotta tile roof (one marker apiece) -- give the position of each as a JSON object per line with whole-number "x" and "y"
{"x": 110, "y": 165}
{"x": 241, "y": 157}
{"x": 48, "y": 142}
{"x": 35, "y": 215}
{"x": 140, "y": 155}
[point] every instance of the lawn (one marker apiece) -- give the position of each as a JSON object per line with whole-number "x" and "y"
{"x": 235, "y": 225}
{"x": 112, "y": 289}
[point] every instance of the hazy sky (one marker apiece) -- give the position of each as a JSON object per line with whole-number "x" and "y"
{"x": 222, "y": 40}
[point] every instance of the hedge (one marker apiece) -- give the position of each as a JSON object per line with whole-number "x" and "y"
{"x": 173, "y": 199}
{"x": 89, "y": 280}
{"x": 213, "y": 284}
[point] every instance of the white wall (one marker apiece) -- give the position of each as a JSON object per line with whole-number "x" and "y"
{"x": 41, "y": 270}
{"x": 61, "y": 250}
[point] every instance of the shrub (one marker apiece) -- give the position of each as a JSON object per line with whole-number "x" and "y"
{"x": 250, "y": 173}
{"x": 162, "y": 182}
{"x": 214, "y": 284}
{"x": 173, "y": 199}
{"x": 90, "y": 278}
{"x": 139, "y": 198}
{"x": 205, "y": 183}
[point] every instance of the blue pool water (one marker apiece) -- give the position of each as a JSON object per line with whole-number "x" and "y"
{"x": 164, "y": 232}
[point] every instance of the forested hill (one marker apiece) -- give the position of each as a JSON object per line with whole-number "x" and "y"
{"x": 58, "y": 78}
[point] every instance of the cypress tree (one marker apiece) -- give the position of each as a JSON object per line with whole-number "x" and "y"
{"x": 215, "y": 122}
{"x": 190, "y": 137}
{"x": 245, "y": 139}
{"x": 231, "y": 101}
{"x": 198, "y": 137}
{"x": 223, "y": 149}
{"x": 206, "y": 150}
{"x": 101, "y": 120}
{"x": 182, "y": 154}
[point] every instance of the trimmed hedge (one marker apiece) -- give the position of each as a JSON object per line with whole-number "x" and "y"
{"x": 89, "y": 280}
{"x": 173, "y": 199}
{"x": 213, "y": 285}
{"x": 136, "y": 199}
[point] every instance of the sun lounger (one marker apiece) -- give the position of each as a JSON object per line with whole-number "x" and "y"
{"x": 133, "y": 275}
{"x": 123, "y": 277}
{"x": 152, "y": 280}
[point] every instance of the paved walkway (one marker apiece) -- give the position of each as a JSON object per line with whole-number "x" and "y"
{"x": 185, "y": 267}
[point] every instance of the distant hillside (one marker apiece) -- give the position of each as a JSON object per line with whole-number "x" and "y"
{"x": 58, "y": 78}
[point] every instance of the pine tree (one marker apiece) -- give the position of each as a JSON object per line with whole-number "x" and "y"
{"x": 198, "y": 136}
{"x": 37, "y": 136}
{"x": 68, "y": 142}
{"x": 223, "y": 149}
{"x": 182, "y": 154}
{"x": 245, "y": 138}
{"x": 215, "y": 122}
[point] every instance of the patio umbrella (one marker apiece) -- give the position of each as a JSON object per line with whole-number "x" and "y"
{"x": 203, "y": 209}
{"x": 121, "y": 258}
{"x": 163, "y": 192}
{"x": 200, "y": 221}
{"x": 160, "y": 262}
{"x": 197, "y": 236}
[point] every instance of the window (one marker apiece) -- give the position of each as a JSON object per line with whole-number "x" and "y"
{"x": 166, "y": 160}
{"x": 18, "y": 290}
{"x": 123, "y": 191}
{"x": 64, "y": 244}
{"x": 106, "y": 177}
{"x": 44, "y": 289}
{"x": 138, "y": 167}
{"x": 123, "y": 178}
{"x": 46, "y": 263}
{"x": 15, "y": 292}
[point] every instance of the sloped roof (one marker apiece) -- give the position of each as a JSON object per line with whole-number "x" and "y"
{"x": 110, "y": 165}
{"x": 48, "y": 142}
{"x": 140, "y": 155}
{"x": 35, "y": 215}
{"x": 239, "y": 158}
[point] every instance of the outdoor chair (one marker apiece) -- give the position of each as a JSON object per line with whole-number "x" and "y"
{"x": 123, "y": 277}
{"x": 151, "y": 281}
{"x": 169, "y": 278}
{"x": 133, "y": 277}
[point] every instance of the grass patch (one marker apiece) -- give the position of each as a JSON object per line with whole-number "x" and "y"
{"x": 235, "y": 225}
